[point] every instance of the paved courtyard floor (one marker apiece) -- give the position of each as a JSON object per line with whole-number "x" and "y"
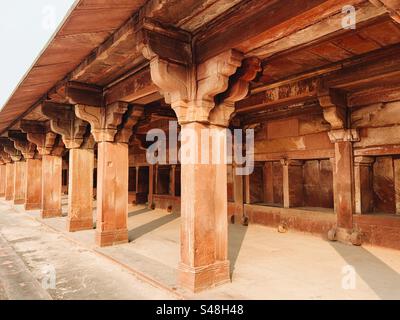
{"x": 264, "y": 263}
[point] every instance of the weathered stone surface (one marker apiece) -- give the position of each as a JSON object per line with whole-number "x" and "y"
{"x": 33, "y": 185}
{"x": 80, "y": 190}
{"x": 20, "y": 181}
{"x": 112, "y": 193}
{"x": 51, "y": 186}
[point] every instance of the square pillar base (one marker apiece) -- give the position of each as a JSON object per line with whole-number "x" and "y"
{"x": 45, "y": 214}
{"x": 79, "y": 225}
{"x": 197, "y": 279}
{"x": 32, "y": 206}
{"x": 110, "y": 238}
{"x": 2, "y": 195}
{"x": 347, "y": 236}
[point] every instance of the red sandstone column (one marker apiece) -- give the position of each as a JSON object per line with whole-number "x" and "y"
{"x": 51, "y": 186}
{"x": 111, "y": 127}
{"x": 268, "y": 182}
{"x": 9, "y": 194}
{"x": 364, "y": 197}
{"x": 292, "y": 183}
{"x": 204, "y": 230}
{"x": 112, "y": 193}
{"x": 344, "y": 193}
{"x": 172, "y": 180}
{"x": 238, "y": 194}
{"x": 2, "y": 180}
{"x": 80, "y": 190}
{"x": 19, "y": 182}
{"x": 397, "y": 184}
{"x": 151, "y": 185}
{"x": 33, "y": 184}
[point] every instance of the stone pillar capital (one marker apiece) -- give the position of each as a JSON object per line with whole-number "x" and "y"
{"x": 8, "y": 147}
{"x": 22, "y": 144}
{"x": 104, "y": 121}
{"x": 203, "y": 92}
{"x": 291, "y": 162}
{"x": 64, "y": 122}
{"x": 39, "y": 133}
{"x": 344, "y": 135}
{"x": 364, "y": 161}
{"x": 130, "y": 119}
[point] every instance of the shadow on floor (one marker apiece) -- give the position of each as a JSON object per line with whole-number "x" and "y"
{"x": 152, "y": 225}
{"x": 236, "y": 235}
{"x": 378, "y": 275}
{"x": 137, "y": 212}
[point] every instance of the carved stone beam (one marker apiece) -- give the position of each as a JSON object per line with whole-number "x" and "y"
{"x": 237, "y": 90}
{"x": 64, "y": 122}
{"x": 81, "y": 93}
{"x": 391, "y": 6}
{"x": 39, "y": 133}
{"x": 9, "y": 148}
{"x": 21, "y": 143}
{"x": 131, "y": 118}
{"x": 104, "y": 121}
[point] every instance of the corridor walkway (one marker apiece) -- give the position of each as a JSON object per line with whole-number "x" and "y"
{"x": 264, "y": 263}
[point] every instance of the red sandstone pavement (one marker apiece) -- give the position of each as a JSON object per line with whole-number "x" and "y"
{"x": 265, "y": 264}
{"x": 29, "y": 251}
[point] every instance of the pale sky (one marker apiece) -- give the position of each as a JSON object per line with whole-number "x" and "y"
{"x": 25, "y": 28}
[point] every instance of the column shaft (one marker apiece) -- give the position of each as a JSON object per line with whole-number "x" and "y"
{"x": 33, "y": 184}
{"x": 151, "y": 185}
{"x": 204, "y": 230}
{"x": 112, "y": 193}
{"x": 293, "y": 194}
{"x": 363, "y": 193}
{"x": 80, "y": 190}
{"x": 19, "y": 182}
{"x": 9, "y": 192}
{"x": 51, "y": 186}
{"x": 397, "y": 184}
{"x": 2, "y": 180}
{"x": 344, "y": 193}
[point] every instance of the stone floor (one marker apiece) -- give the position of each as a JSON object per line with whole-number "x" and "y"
{"x": 264, "y": 263}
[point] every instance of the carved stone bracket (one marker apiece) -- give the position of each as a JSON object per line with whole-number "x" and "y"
{"x": 39, "y": 134}
{"x": 237, "y": 90}
{"x": 4, "y": 155}
{"x": 333, "y": 113}
{"x": 104, "y": 121}
{"x": 64, "y": 122}
{"x": 191, "y": 90}
{"x": 190, "y": 87}
{"x": 131, "y": 118}
{"x": 8, "y": 146}
{"x": 22, "y": 144}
